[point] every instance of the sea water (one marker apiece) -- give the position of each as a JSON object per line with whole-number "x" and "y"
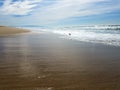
{"x": 103, "y": 34}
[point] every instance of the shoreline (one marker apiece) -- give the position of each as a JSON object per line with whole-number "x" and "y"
{"x": 5, "y": 31}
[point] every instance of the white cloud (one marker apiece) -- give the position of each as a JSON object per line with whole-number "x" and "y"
{"x": 63, "y": 9}
{"x": 18, "y": 7}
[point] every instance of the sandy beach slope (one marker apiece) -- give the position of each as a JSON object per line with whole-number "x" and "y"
{"x": 9, "y": 31}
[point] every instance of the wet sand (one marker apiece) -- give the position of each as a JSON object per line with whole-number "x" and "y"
{"x": 5, "y": 31}
{"x": 47, "y": 62}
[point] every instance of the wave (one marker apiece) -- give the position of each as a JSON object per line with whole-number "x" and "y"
{"x": 91, "y": 36}
{"x": 93, "y": 27}
{"x": 109, "y": 35}
{"x": 104, "y": 34}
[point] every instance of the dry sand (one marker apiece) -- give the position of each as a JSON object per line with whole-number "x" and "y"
{"x": 4, "y": 31}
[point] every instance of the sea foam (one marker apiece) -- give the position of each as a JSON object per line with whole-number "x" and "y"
{"x": 104, "y": 34}
{"x": 98, "y": 34}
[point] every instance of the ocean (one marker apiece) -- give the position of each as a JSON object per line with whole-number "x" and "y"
{"x": 102, "y": 34}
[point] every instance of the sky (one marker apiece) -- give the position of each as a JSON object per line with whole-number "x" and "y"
{"x": 59, "y": 12}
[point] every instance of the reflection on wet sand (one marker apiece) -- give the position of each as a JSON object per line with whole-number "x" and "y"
{"x": 46, "y": 62}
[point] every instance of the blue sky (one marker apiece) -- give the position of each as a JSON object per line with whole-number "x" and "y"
{"x": 59, "y": 12}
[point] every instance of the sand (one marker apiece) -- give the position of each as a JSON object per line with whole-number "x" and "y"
{"x": 4, "y": 31}
{"x": 46, "y": 62}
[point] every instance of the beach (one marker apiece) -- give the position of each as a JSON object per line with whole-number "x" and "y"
{"x": 44, "y": 61}
{"x": 4, "y": 31}
{"x": 59, "y": 44}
